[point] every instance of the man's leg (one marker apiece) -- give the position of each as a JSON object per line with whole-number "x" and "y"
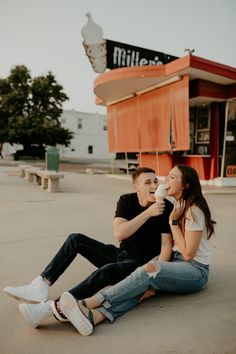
{"x": 109, "y": 274}
{"x": 96, "y": 252}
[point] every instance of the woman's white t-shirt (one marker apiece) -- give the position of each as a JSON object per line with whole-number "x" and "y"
{"x": 195, "y": 221}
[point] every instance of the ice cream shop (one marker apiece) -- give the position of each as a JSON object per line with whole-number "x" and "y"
{"x": 182, "y": 111}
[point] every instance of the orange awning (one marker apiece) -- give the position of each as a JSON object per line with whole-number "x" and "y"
{"x": 142, "y": 123}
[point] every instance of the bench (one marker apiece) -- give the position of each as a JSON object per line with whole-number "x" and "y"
{"x": 50, "y": 180}
{"x": 31, "y": 175}
{"x": 47, "y": 179}
{"x": 23, "y": 168}
{"x": 126, "y": 166}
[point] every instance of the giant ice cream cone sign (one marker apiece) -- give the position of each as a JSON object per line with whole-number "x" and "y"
{"x": 107, "y": 54}
{"x": 95, "y": 45}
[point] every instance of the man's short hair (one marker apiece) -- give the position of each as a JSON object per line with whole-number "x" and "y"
{"x": 141, "y": 170}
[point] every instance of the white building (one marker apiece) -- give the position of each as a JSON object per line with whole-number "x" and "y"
{"x": 90, "y": 135}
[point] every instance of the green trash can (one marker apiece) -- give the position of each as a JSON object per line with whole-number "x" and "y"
{"x": 52, "y": 158}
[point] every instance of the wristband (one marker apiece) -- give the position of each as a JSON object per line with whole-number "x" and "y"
{"x": 174, "y": 222}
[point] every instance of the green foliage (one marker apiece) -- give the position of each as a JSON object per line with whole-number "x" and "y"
{"x": 30, "y": 109}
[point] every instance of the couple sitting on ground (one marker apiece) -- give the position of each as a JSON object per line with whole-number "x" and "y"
{"x": 162, "y": 247}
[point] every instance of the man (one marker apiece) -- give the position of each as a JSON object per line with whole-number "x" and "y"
{"x": 139, "y": 225}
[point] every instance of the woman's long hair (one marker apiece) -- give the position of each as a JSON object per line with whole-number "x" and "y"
{"x": 192, "y": 194}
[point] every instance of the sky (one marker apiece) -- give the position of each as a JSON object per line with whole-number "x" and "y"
{"x": 45, "y": 35}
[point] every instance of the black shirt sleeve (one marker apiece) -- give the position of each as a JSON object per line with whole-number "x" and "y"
{"x": 122, "y": 207}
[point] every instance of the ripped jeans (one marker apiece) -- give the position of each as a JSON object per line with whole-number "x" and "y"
{"x": 177, "y": 276}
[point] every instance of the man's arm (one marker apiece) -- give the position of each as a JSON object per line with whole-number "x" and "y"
{"x": 123, "y": 228}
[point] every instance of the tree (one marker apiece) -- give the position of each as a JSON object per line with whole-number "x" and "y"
{"x": 30, "y": 109}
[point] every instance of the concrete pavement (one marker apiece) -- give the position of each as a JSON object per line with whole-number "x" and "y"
{"x": 34, "y": 223}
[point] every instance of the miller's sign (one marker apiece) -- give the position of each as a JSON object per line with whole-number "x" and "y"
{"x": 104, "y": 53}
{"x": 121, "y": 55}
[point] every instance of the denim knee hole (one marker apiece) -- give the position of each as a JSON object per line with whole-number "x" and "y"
{"x": 152, "y": 269}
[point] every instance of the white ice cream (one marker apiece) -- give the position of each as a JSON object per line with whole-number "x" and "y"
{"x": 160, "y": 192}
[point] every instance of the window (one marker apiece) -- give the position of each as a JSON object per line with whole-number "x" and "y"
{"x": 203, "y": 118}
{"x": 202, "y": 135}
{"x": 199, "y": 129}
{"x": 80, "y": 123}
{"x": 105, "y": 125}
{"x": 90, "y": 149}
{"x": 63, "y": 120}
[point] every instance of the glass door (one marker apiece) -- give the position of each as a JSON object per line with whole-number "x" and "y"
{"x": 228, "y": 166}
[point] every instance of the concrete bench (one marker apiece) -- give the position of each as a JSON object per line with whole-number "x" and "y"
{"x": 23, "y": 168}
{"x": 31, "y": 175}
{"x": 50, "y": 180}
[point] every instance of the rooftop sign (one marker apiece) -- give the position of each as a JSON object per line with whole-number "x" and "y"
{"x": 106, "y": 54}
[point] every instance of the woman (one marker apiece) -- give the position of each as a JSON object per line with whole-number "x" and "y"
{"x": 191, "y": 227}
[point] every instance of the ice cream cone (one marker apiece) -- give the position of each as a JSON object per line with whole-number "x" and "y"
{"x": 160, "y": 192}
{"x": 97, "y": 55}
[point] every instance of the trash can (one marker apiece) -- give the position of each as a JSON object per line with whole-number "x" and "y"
{"x": 52, "y": 158}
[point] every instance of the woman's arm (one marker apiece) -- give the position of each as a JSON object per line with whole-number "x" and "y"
{"x": 166, "y": 247}
{"x": 165, "y": 255}
{"x": 188, "y": 243}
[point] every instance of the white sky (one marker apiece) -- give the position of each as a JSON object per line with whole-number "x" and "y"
{"x": 46, "y": 35}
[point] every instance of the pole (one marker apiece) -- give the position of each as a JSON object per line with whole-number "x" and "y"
{"x": 126, "y": 161}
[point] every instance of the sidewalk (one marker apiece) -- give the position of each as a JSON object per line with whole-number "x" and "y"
{"x": 34, "y": 223}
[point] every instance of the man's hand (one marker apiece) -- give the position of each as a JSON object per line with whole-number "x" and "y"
{"x": 156, "y": 208}
{"x": 125, "y": 228}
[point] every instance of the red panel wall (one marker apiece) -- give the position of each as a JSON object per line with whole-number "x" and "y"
{"x": 142, "y": 123}
{"x": 154, "y": 118}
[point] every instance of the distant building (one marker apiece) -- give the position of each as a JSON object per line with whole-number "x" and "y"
{"x": 90, "y": 135}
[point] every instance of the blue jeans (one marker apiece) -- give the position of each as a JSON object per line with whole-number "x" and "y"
{"x": 177, "y": 276}
{"x": 113, "y": 264}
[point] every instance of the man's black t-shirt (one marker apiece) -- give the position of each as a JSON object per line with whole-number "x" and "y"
{"x": 145, "y": 243}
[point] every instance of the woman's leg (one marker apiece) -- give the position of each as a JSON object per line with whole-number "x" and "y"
{"x": 181, "y": 277}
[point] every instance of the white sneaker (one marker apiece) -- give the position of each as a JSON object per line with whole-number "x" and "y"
{"x": 35, "y": 314}
{"x": 70, "y": 308}
{"x": 36, "y": 291}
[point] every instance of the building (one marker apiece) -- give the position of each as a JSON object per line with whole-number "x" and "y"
{"x": 180, "y": 112}
{"x": 90, "y": 135}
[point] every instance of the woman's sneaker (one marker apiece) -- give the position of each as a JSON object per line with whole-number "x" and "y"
{"x": 34, "y": 292}
{"x": 70, "y": 308}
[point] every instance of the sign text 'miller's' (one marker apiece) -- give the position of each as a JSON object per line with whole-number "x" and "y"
{"x": 124, "y": 55}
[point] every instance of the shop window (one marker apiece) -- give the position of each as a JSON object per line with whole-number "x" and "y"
{"x": 80, "y": 123}
{"x": 199, "y": 130}
{"x": 105, "y": 125}
{"x": 90, "y": 149}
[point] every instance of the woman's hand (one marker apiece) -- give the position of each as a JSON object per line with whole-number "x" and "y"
{"x": 177, "y": 210}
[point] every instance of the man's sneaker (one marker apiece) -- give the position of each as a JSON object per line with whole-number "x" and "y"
{"x": 35, "y": 314}
{"x": 36, "y": 291}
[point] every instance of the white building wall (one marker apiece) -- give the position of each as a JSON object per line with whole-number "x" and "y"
{"x": 90, "y": 135}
